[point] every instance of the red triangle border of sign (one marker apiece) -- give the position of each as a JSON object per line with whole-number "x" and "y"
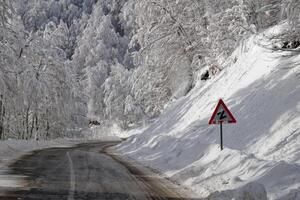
{"x": 221, "y": 102}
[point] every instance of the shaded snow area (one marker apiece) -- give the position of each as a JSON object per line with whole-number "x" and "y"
{"x": 261, "y": 158}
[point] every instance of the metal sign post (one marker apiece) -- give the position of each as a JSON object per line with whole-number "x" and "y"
{"x": 221, "y": 136}
{"x": 222, "y": 115}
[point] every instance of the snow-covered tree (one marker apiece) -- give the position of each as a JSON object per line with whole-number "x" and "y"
{"x": 36, "y": 84}
{"x": 290, "y": 11}
{"x": 65, "y": 62}
{"x": 102, "y": 60}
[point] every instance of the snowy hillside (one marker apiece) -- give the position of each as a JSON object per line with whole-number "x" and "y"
{"x": 262, "y": 89}
{"x": 154, "y": 71}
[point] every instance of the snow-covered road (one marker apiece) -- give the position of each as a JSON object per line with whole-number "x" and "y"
{"x": 84, "y": 172}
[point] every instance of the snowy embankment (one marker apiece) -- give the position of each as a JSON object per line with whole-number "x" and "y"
{"x": 262, "y": 151}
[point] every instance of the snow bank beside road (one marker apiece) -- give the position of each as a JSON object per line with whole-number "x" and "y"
{"x": 262, "y": 89}
{"x": 102, "y": 133}
{"x": 248, "y": 192}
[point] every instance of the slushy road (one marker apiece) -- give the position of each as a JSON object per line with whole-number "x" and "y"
{"x": 84, "y": 172}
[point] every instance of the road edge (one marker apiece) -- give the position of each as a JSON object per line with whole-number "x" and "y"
{"x": 157, "y": 181}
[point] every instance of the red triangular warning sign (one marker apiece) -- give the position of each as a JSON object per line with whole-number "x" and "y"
{"x": 222, "y": 114}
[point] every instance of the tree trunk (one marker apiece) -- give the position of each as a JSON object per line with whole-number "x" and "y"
{"x": 32, "y": 125}
{"x": 47, "y": 124}
{"x": 8, "y": 123}
{"x": 1, "y": 117}
{"x": 27, "y": 122}
{"x": 36, "y": 126}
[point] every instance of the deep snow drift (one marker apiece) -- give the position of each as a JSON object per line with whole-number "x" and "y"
{"x": 262, "y": 89}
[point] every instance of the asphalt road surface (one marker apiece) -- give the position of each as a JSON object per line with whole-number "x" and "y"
{"x": 84, "y": 172}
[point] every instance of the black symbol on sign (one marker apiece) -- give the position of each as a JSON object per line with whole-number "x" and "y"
{"x": 222, "y": 115}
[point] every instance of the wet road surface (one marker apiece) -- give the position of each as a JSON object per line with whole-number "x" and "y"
{"x": 84, "y": 172}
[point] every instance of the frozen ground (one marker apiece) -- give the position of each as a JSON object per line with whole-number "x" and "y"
{"x": 262, "y": 89}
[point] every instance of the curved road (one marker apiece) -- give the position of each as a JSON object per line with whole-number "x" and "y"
{"x": 84, "y": 172}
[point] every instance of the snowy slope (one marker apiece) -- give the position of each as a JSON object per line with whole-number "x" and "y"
{"x": 262, "y": 89}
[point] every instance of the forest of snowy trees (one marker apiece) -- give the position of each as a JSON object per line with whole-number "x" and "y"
{"x": 64, "y": 63}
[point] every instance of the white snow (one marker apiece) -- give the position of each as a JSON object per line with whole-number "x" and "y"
{"x": 102, "y": 133}
{"x": 249, "y": 191}
{"x": 262, "y": 89}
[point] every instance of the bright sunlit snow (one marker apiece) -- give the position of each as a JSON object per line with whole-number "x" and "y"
{"x": 262, "y": 147}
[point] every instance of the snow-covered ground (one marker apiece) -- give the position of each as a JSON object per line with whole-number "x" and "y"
{"x": 262, "y": 89}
